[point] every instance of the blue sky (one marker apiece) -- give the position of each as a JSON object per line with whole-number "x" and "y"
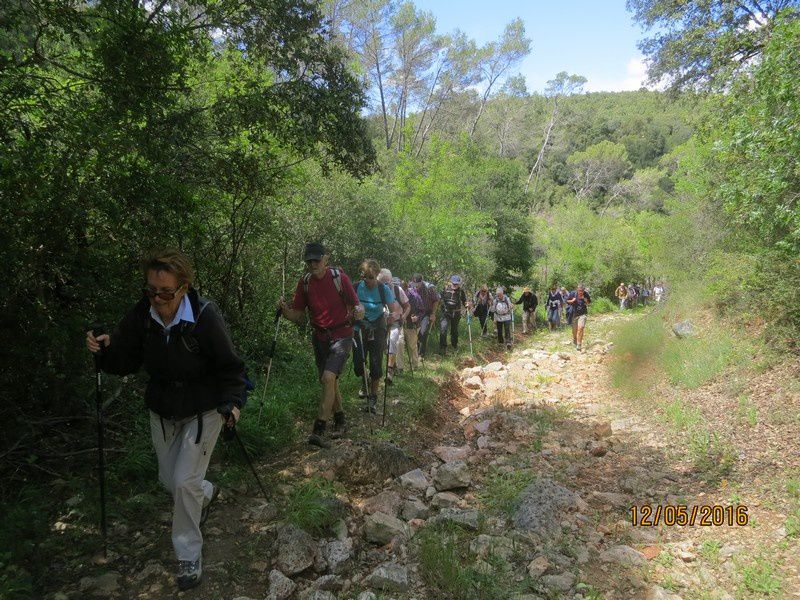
{"x": 596, "y": 39}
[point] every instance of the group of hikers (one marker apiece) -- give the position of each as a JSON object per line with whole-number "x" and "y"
{"x": 198, "y": 385}
{"x": 634, "y": 294}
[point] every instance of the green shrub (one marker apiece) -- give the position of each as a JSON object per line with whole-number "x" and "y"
{"x": 602, "y": 305}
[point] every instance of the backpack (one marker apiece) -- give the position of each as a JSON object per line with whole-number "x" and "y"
{"x": 337, "y": 281}
{"x": 503, "y": 307}
{"x": 451, "y": 299}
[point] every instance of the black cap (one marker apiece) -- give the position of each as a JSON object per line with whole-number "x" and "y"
{"x": 313, "y": 251}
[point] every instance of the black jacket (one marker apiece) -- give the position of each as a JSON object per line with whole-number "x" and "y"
{"x": 529, "y": 301}
{"x": 195, "y": 371}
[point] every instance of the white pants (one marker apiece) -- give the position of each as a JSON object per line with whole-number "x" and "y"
{"x": 397, "y": 345}
{"x": 182, "y": 465}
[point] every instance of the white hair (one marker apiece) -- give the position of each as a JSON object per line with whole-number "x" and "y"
{"x": 385, "y": 276}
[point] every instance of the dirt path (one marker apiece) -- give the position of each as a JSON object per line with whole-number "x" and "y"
{"x": 522, "y": 486}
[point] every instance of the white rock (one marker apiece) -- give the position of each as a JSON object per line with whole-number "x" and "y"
{"x": 623, "y": 555}
{"x": 415, "y": 480}
{"x": 280, "y": 586}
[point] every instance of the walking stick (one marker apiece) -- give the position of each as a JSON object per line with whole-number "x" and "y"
{"x": 97, "y": 330}
{"x": 408, "y": 354}
{"x": 469, "y": 330}
{"x": 228, "y": 433}
{"x": 385, "y": 379}
{"x": 363, "y": 351}
{"x": 269, "y": 364}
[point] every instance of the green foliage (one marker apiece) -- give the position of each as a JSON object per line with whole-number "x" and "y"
{"x": 451, "y": 571}
{"x": 311, "y": 505}
{"x": 760, "y": 576}
{"x": 694, "y": 44}
{"x": 602, "y": 305}
{"x": 712, "y": 456}
{"x": 502, "y": 489}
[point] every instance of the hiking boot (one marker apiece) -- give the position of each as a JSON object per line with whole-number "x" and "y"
{"x": 339, "y": 426}
{"x": 578, "y": 348}
{"x": 362, "y": 393}
{"x": 508, "y": 346}
{"x": 317, "y": 437}
{"x": 207, "y": 505}
{"x": 371, "y": 406}
{"x": 389, "y": 376}
{"x": 189, "y": 574}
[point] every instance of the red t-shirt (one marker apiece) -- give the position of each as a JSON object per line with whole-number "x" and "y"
{"x": 328, "y": 310}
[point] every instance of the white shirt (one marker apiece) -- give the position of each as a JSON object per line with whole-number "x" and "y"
{"x": 185, "y": 313}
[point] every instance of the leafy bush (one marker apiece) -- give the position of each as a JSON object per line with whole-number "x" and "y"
{"x": 602, "y": 305}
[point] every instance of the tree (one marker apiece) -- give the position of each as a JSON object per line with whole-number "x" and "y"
{"x": 596, "y": 169}
{"x": 496, "y": 58}
{"x": 563, "y": 85}
{"x": 698, "y": 43}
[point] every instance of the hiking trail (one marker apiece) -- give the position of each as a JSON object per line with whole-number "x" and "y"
{"x": 522, "y": 488}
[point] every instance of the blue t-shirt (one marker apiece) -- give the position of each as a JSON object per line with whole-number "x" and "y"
{"x": 371, "y": 299}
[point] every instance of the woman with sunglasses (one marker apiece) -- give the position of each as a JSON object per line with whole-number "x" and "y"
{"x": 197, "y": 383}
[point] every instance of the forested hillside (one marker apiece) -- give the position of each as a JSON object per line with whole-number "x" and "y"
{"x": 239, "y": 130}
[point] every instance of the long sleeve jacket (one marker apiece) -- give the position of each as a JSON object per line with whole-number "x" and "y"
{"x": 193, "y": 367}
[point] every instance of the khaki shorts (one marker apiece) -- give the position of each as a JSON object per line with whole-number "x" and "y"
{"x": 579, "y": 322}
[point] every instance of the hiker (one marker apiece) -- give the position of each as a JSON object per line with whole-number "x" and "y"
{"x": 197, "y": 384}
{"x": 502, "y": 307}
{"x": 622, "y": 295}
{"x": 554, "y": 304}
{"x": 529, "y": 303}
{"x": 430, "y": 299}
{"x": 396, "y": 342}
{"x": 453, "y": 302}
{"x": 328, "y": 295}
{"x": 632, "y": 295}
{"x": 645, "y": 295}
{"x": 566, "y": 309}
{"x": 482, "y": 303}
{"x": 579, "y": 300}
{"x": 411, "y": 325}
{"x": 658, "y": 293}
{"x": 371, "y": 330}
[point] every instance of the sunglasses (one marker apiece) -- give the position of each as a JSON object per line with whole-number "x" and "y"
{"x": 368, "y": 277}
{"x": 152, "y": 292}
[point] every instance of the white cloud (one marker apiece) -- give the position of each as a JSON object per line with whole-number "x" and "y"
{"x": 635, "y": 77}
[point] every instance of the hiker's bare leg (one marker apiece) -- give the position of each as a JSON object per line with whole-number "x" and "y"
{"x": 337, "y": 401}
{"x": 328, "y": 381}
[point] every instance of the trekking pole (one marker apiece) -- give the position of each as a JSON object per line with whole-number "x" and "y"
{"x": 278, "y": 314}
{"x": 228, "y": 433}
{"x": 385, "y": 379}
{"x": 97, "y": 330}
{"x": 408, "y": 354}
{"x": 363, "y": 351}
{"x": 469, "y": 330}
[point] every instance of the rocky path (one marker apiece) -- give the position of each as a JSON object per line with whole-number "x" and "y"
{"x": 525, "y": 491}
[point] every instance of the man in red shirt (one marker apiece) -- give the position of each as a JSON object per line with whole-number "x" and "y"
{"x": 333, "y": 305}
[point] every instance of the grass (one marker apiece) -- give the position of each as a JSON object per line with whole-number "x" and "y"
{"x": 760, "y": 577}
{"x": 682, "y": 416}
{"x": 501, "y": 490}
{"x": 692, "y": 362}
{"x": 793, "y": 523}
{"x": 712, "y": 457}
{"x": 312, "y": 505}
{"x": 747, "y": 411}
{"x": 709, "y": 550}
{"x": 452, "y": 572}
